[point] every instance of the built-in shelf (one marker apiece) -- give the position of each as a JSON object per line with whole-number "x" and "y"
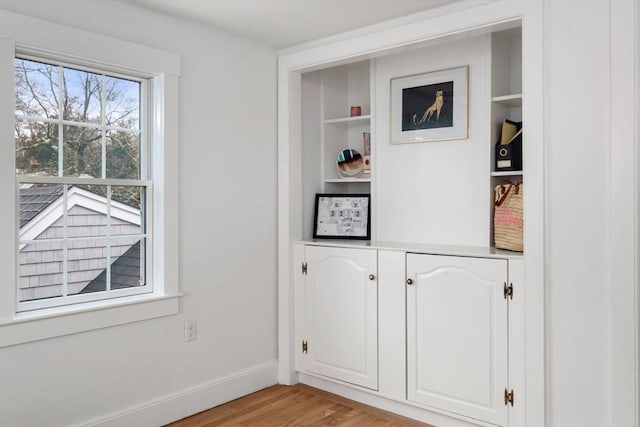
{"x": 507, "y": 173}
{"x": 346, "y": 180}
{"x": 347, "y": 120}
{"x": 514, "y": 100}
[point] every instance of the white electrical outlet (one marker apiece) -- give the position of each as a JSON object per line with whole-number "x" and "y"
{"x": 190, "y": 330}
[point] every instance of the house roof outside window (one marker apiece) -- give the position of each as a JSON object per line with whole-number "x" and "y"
{"x": 42, "y": 219}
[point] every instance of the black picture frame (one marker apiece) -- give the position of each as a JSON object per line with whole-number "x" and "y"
{"x": 342, "y": 216}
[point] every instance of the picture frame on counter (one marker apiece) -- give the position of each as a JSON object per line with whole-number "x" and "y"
{"x": 342, "y": 216}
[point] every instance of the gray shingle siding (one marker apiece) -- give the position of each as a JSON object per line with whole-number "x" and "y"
{"x": 41, "y": 265}
{"x": 34, "y": 200}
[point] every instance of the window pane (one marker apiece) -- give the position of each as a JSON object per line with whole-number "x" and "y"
{"x": 40, "y": 272}
{"x": 82, "y": 151}
{"x": 87, "y": 262}
{"x": 82, "y": 96}
{"x": 122, "y": 103}
{"x": 41, "y": 212}
{"x": 86, "y": 211}
{"x": 126, "y": 210}
{"x": 123, "y": 155}
{"x": 37, "y": 88}
{"x": 41, "y": 259}
{"x": 127, "y": 263}
{"x": 126, "y": 267}
{"x": 36, "y": 148}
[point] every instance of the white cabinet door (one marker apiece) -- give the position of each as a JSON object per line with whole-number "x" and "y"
{"x": 340, "y": 329}
{"x": 457, "y": 335}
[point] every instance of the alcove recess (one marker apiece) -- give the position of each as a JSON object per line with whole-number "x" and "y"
{"x": 328, "y": 127}
{"x": 506, "y": 98}
{"x": 432, "y": 209}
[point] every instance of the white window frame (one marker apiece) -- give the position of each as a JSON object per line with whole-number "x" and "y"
{"x": 142, "y": 132}
{"x": 162, "y": 69}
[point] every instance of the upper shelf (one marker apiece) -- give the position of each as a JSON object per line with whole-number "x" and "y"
{"x": 349, "y": 120}
{"x": 507, "y": 173}
{"x": 514, "y": 100}
{"x": 346, "y": 180}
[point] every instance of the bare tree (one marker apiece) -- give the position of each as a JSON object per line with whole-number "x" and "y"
{"x": 97, "y": 110}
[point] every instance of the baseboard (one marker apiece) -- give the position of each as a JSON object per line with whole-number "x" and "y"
{"x": 371, "y": 398}
{"x": 190, "y": 401}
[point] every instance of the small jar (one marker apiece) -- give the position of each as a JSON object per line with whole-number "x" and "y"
{"x": 356, "y": 111}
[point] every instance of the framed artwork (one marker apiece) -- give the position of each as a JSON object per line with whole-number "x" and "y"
{"x": 342, "y": 216}
{"x": 430, "y": 107}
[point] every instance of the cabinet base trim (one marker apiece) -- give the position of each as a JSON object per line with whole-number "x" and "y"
{"x": 378, "y": 400}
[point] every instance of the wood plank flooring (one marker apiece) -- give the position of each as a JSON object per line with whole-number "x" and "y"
{"x": 298, "y": 405}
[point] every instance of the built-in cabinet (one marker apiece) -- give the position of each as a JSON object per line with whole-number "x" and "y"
{"x": 438, "y": 329}
{"x": 457, "y": 322}
{"x": 444, "y": 319}
{"x": 337, "y": 301}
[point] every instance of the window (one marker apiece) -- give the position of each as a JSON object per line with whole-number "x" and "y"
{"x": 88, "y": 156}
{"x": 81, "y": 166}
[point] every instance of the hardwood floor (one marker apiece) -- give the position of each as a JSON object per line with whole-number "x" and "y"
{"x": 298, "y": 405}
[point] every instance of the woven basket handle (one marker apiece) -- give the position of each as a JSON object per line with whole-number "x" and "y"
{"x": 505, "y": 193}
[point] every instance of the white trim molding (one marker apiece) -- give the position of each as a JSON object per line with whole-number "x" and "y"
{"x": 58, "y": 321}
{"x": 196, "y": 399}
{"x": 623, "y": 214}
{"x": 430, "y": 416}
{"x": 72, "y": 45}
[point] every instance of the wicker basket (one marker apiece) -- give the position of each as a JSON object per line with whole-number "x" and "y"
{"x": 507, "y": 218}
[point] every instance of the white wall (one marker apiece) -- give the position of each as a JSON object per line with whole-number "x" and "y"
{"x": 583, "y": 291}
{"x": 75, "y": 378}
{"x": 445, "y": 184}
{"x": 227, "y": 229}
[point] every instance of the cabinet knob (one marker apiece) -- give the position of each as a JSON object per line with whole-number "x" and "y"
{"x": 409, "y": 281}
{"x": 372, "y": 277}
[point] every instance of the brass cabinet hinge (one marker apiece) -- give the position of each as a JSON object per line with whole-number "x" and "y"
{"x": 304, "y": 268}
{"x": 305, "y": 346}
{"x": 508, "y": 397}
{"x": 508, "y": 290}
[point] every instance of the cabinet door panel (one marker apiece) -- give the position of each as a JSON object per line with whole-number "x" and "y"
{"x": 341, "y": 311}
{"x": 457, "y": 335}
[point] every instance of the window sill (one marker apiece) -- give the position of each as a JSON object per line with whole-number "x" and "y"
{"x": 49, "y": 323}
